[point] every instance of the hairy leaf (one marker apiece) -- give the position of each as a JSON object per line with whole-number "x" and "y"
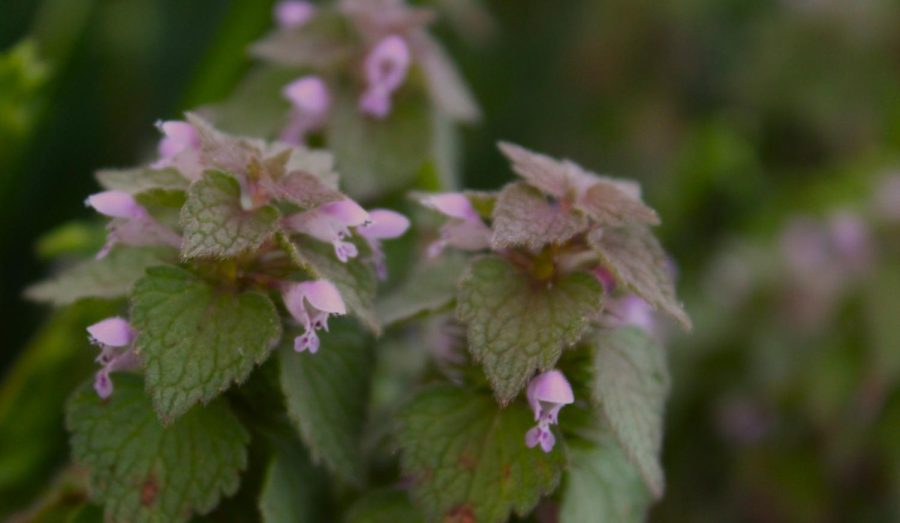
{"x": 326, "y": 396}
{"x": 110, "y": 277}
{"x": 142, "y": 179}
{"x": 355, "y": 280}
{"x": 631, "y": 383}
{"x": 611, "y": 205}
{"x": 525, "y": 217}
{"x": 468, "y": 457}
{"x": 638, "y": 262}
{"x": 214, "y": 223}
{"x": 517, "y": 325}
{"x": 196, "y": 339}
{"x": 375, "y": 156}
{"x": 143, "y": 471}
{"x": 609, "y": 201}
{"x": 430, "y": 287}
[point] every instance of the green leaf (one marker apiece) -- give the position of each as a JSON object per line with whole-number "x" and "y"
{"x": 517, "y": 325}
{"x": 602, "y": 485}
{"x": 525, "y": 217}
{"x": 141, "y": 179}
{"x": 327, "y": 394}
{"x": 256, "y": 107}
{"x": 355, "y": 280}
{"x": 196, "y": 339}
{"x": 110, "y": 277}
{"x": 375, "y": 156}
{"x": 468, "y": 457}
{"x": 638, "y": 262}
{"x": 631, "y": 383}
{"x": 321, "y": 43}
{"x": 384, "y": 506}
{"x": 430, "y": 287}
{"x": 293, "y": 488}
{"x": 143, "y": 471}
{"x": 214, "y": 223}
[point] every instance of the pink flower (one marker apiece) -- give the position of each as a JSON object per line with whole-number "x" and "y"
{"x": 331, "y": 223}
{"x": 385, "y": 225}
{"x": 311, "y": 303}
{"x": 310, "y": 101}
{"x": 465, "y": 230}
{"x": 115, "y": 337}
{"x": 131, "y": 224}
{"x": 290, "y": 14}
{"x": 631, "y": 310}
{"x": 116, "y": 204}
{"x": 547, "y": 394}
{"x": 386, "y": 67}
{"x": 179, "y": 148}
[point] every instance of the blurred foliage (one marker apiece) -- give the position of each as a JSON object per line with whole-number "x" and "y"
{"x": 737, "y": 114}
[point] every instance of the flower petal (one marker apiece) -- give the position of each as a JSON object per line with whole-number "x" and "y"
{"x": 309, "y": 95}
{"x": 116, "y": 204}
{"x": 323, "y": 295}
{"x": 385, "y": 224}
{"x": 293, "y": 13}
{"x": 550, "y": 387}
{"x": 113, "y": 332}
{"x": 452, "y": 204}
{"x": 346, "y": 212}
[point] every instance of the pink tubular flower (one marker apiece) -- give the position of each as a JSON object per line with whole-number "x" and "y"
{"x": 310, "y": 101}
{"x": 465, "y": 230}
{"x": 631, "y": 310}
{"x": 331, "y": 223}
{"x": 116, "y": 204}
{"x": 386, "y": 67}
{"x": 547, "y": 394}
{"x": 311, "y": 303}
{"x": 385, "y": 225}
{"x": 131, "y": 224}
{"x": 115, "y": 337}
{"x": 179, "y": 148}
{"x": 290, "y": 14}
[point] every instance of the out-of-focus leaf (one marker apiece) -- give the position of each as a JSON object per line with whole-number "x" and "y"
{"x": 384, "y": 506}
{"x": 110, "y": 277}
{"x": 631, "y": 385}
{"x": 430, "y": 287}
{"x": 376, "y": 157}
{"x": 327, "y": 394}
{"x": 293, "y": 489}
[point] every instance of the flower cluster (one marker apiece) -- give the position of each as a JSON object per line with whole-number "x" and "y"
{"x": 389, "y": 39}
{"x": 295, "y": 183}
{"x": 560, "y": 220}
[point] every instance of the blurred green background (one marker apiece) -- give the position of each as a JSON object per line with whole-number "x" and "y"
{"x": 737, "y": 115}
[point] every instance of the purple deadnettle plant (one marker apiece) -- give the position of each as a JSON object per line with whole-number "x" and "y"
{"x": 286, "y": 334}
